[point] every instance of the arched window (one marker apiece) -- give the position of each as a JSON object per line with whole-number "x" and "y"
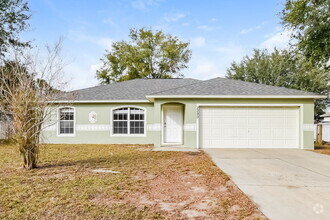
{"x": 66, "y": 121}
{"x": 128, "y": 120}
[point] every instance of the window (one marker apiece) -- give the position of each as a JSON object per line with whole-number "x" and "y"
{"x": 66, "y": 125}
{"x": 128, "y": 121}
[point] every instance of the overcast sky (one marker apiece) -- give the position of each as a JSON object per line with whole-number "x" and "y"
{"x": 220, "y": 31}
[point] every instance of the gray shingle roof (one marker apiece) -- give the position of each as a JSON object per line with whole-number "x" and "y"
{"x": 141, "y": 89}
{"x": 222, "y": 86}
{"x": 136, "y": 89}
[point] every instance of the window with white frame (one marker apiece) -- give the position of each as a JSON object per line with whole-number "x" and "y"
{"x": 66, "y": 122}
{"x": 128, "y": 120}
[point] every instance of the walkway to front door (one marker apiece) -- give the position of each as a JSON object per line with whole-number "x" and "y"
{"x": 284, "y": 183}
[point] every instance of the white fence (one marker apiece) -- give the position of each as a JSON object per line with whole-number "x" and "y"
{"x": 325, "y": 132}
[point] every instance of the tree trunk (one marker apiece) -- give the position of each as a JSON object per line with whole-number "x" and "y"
{"x": 30, "y": 156}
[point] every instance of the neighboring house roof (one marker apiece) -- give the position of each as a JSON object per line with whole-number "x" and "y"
{"x": 136, "y": 89}
{"x": 228, "y": 87}
{"x": 139, "y": 90}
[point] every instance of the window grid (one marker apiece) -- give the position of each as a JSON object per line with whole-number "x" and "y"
{"x": 120, "y": 123}
{"x": 128, "y": 121}
{"x": 66, "y": 125}
{"x": 136, "y": 121}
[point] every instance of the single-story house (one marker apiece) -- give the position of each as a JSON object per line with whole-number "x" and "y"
{"x": 215, "y": 113}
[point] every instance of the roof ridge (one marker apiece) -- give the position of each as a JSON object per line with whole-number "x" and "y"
{"x": 257, "y": 84}
{"x": 230, "y": 85}
{"x": 262, "y": 84}
{"x": 125, "y": 81}
{"x": 199, "y": 81}
{"x": 162, "y": 78}
{"x": 104, "y": 85}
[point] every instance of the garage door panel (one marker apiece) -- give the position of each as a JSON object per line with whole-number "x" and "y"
{"x": 265, "y": 142}
{"x": 291, "y": 121}
{"x": 253, "y": 127}
{"x": 265, "y": 133}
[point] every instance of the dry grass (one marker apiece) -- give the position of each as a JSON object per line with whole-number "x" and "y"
{"x": 150, "y": 185}
{"x": 322, "y": 150}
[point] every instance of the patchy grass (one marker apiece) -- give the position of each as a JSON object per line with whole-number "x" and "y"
{"x": 150, "y": 185}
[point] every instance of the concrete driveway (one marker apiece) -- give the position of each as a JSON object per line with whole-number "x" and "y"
{"x": 284, "y": 183}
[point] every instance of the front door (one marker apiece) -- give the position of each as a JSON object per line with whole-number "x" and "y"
{"x": 172, "y": 124}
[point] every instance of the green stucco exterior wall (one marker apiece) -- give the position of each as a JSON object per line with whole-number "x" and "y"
{"x": 154, "y": 121}
{"x": 98, "y": 136}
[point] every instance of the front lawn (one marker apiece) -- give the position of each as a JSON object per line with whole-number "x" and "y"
{"x": 149, "y": 185}
{"x": 322, "y": 150}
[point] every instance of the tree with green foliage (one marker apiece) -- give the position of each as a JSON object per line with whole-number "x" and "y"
{"x": 309, "y": 21}
{"x": 149, "y": 54}
{"x": 14, "y": 15}
{"x": 284, "y": 69}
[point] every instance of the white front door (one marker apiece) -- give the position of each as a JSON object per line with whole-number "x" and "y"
{"x": 172, "y": 124}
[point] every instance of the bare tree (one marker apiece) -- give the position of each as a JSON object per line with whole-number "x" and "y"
{"x": 28, "y": 86}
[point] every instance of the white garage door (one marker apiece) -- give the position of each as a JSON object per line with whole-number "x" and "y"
{"x": 249, "y": 127}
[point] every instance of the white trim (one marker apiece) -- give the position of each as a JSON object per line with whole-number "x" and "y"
{"x": 197, "y": 125}
{"x": 151, "y": 97}
{"x": 100, "y": 101}
{"x": 58, "y": 122}
{"x": 154, "y": 127}
{"x": 250, "y": 105}
{"x": 309, "y": 127}
{"x": 301, "y": 111}
{"x": 163, "y": 143}
{"x": 92, "y": 127}
{"x": 128, "y": 135}
{"x": 162, "y": 124}
{"x": 189, "y": 127}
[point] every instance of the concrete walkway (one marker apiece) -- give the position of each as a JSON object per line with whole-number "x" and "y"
{"x": 284, "y": 183}
{"x": 173, "y": 148}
